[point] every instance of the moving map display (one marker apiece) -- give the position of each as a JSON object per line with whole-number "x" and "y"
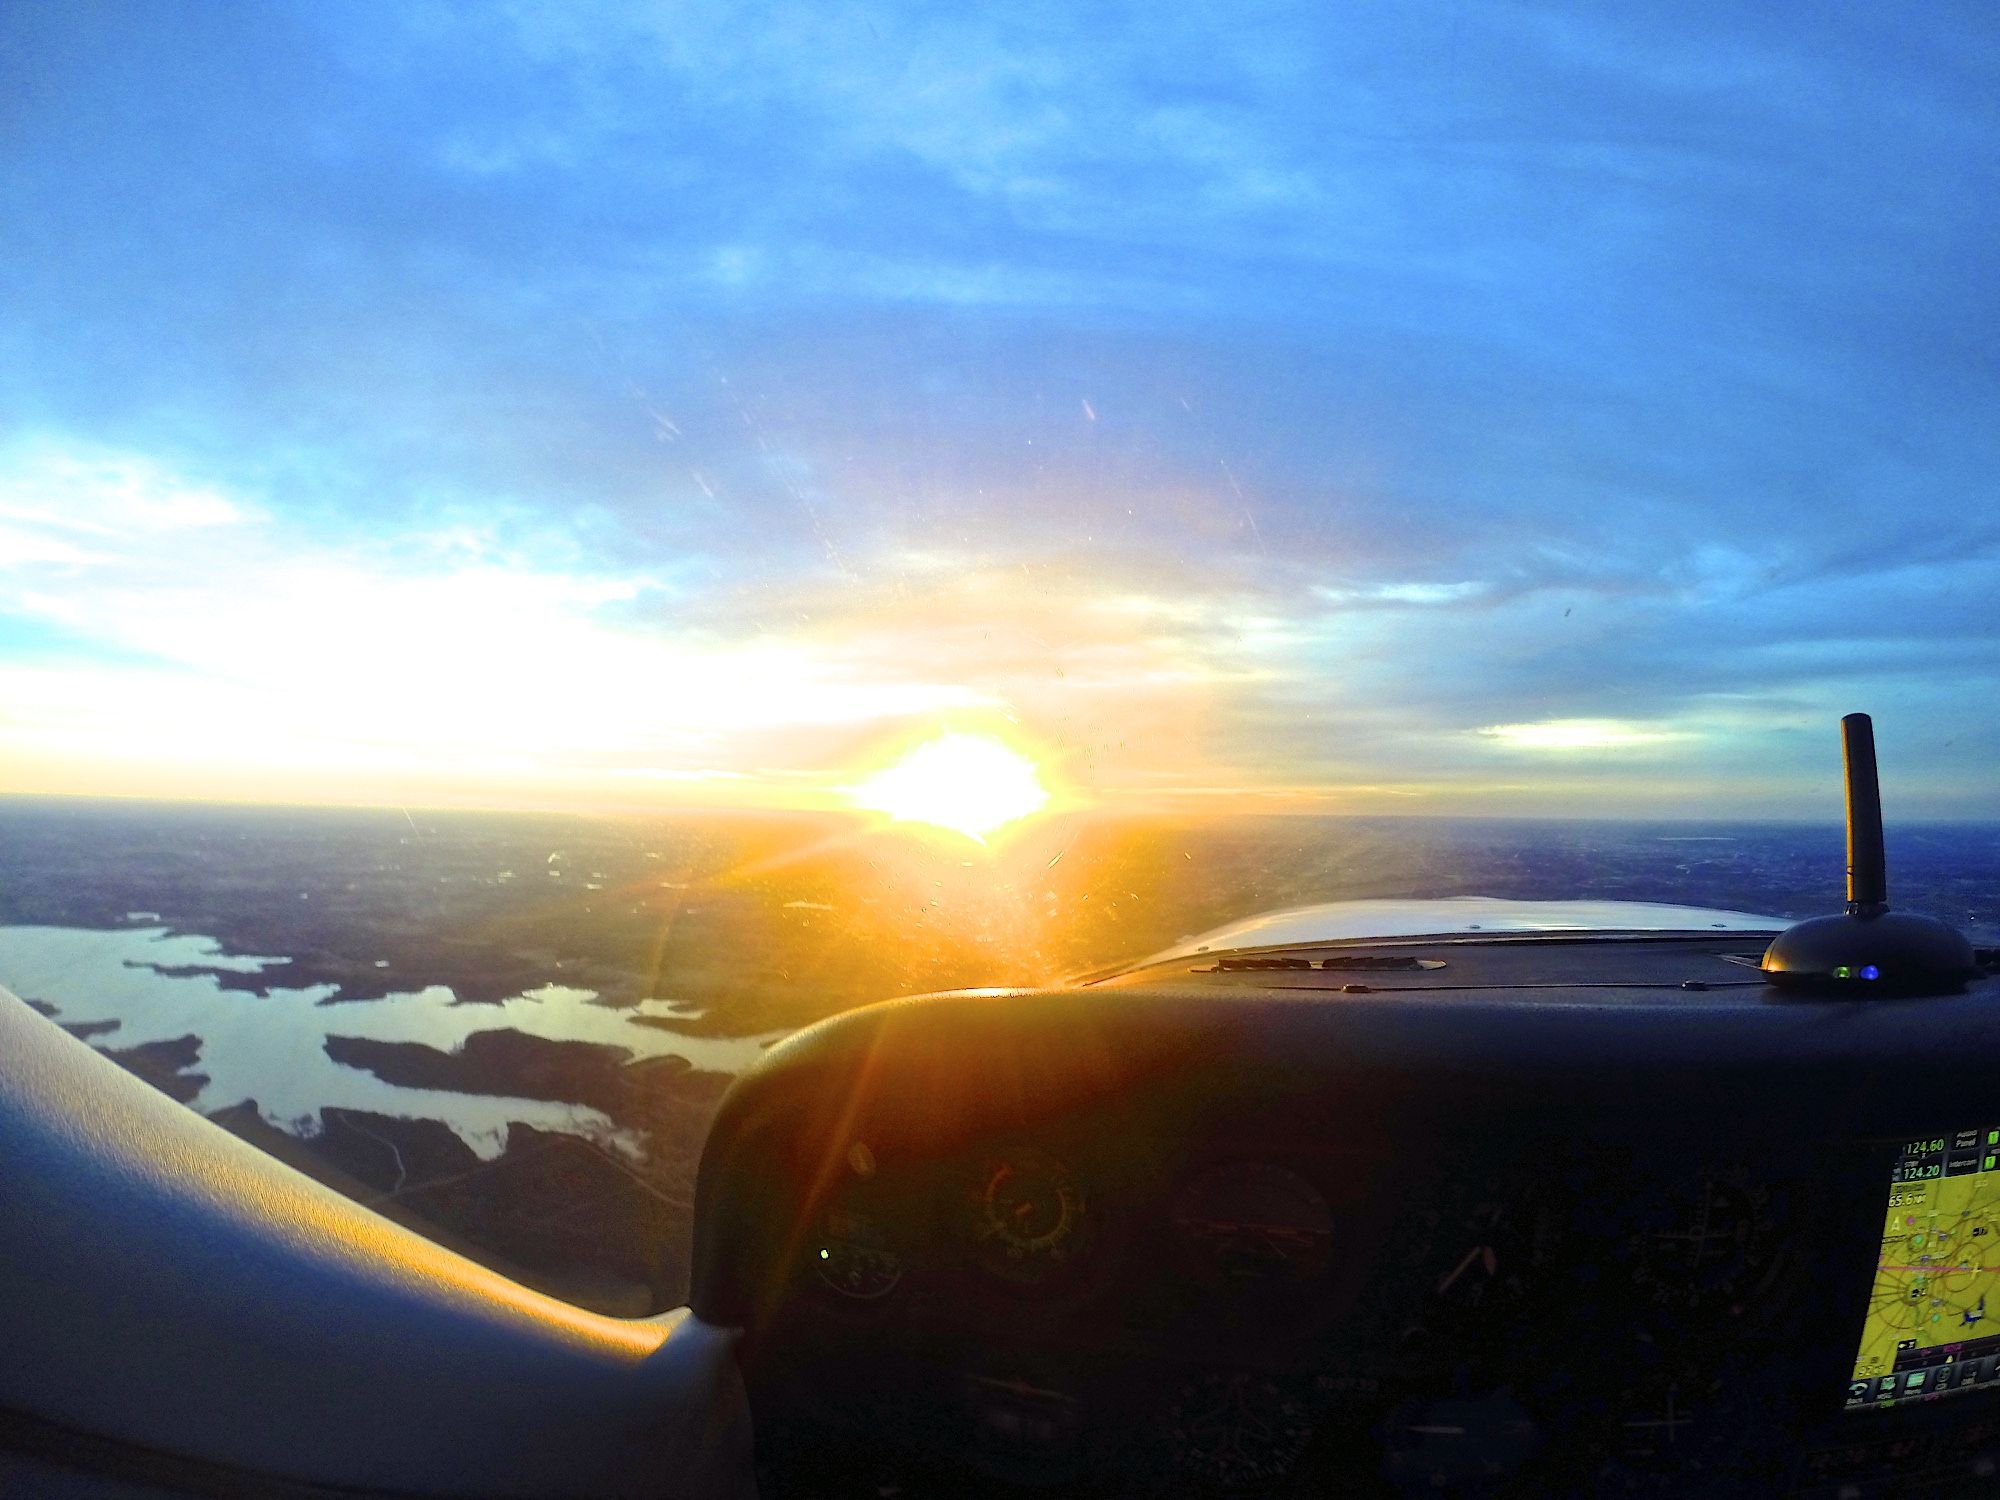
{"x": 1933, "y": 1324}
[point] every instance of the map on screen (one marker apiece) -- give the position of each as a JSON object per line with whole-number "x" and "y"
{"x": 1933, "y": 1322}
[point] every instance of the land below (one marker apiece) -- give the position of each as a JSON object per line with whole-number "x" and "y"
{"x": 755, "y": 925}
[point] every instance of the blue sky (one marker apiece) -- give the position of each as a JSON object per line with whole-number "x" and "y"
{"x": 1428, "y": 407}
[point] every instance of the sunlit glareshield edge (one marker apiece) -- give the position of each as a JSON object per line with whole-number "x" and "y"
{"x": 1341, "y": 922}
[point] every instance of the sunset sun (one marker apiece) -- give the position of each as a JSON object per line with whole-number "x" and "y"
{"x": 965, "y": 782}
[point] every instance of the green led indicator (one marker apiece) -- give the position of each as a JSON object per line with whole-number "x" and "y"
{"x": 826, "y": 1255}
{"x": 1993, "y": 1137}
{"x": 1991, "y": 1162}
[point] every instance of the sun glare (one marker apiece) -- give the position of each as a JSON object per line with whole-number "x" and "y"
{"x": 1575, "y": 734}
{"x": 964, "y": 782}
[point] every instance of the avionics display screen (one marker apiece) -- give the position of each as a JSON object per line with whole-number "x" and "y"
{"x": 1933, "y": 1325}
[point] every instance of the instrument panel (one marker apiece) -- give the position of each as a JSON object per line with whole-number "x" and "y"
{"x": 1301, "y": 1261}
{"x": 1251, "y": 1223}
{"x": 1024, "y": 1218}
{"x": 1445, "y": 1329}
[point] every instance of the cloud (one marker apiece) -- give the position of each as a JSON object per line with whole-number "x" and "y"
{"x": 1249, "y": 400}
{"x": 275, "y": 647}
{"x": 51, "y": 493}
{"x": 1571, "y": 735}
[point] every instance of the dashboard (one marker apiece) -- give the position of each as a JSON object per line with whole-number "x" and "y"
{"x": 1503, "y": 1216}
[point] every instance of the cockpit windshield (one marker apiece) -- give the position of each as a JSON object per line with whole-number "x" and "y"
{"x": 543, "y": 549}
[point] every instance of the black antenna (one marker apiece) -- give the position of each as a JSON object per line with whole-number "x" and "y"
{"x": 1867, "y": 869}
{"x": 1871, "y": 950}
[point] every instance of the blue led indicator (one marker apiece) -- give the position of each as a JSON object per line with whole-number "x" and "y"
{"x": 1869, "y": 971}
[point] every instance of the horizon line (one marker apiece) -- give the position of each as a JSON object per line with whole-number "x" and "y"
{"x": 1099, "y": 812}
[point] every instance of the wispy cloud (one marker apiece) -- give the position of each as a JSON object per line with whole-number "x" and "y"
{"x": 1578, "y": 735}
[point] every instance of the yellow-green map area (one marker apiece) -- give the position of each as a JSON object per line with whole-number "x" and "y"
{"x": 1940, "y": 1269}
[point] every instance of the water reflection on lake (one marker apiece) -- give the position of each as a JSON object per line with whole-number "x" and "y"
{"x": 272, "y": 1047}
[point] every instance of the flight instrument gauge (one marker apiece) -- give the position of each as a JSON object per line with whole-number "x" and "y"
{"x": 852, "y": 1256}
{"x": 1482, "y": 1261}
{"x": 1253, "y": 1222}
{"x": 1706, "y": 1245}
{"x": 1655, "y": 1436}
{"x": 1473, "y": 1257}
{"x": 1028, "y": 1215}
{"x": 1229, "y": 1430}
